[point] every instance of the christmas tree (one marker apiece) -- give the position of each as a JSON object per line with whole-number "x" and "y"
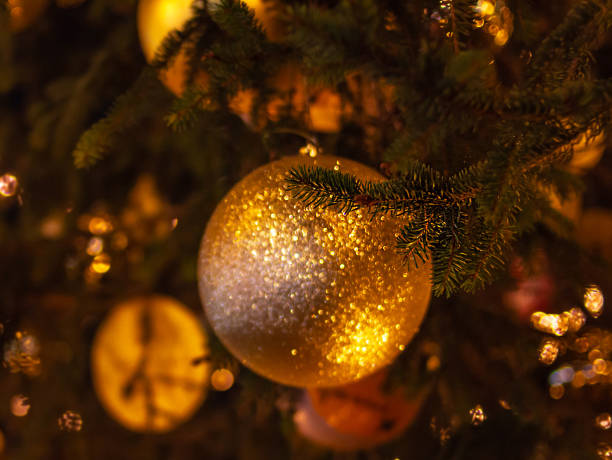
{"x": 305, "y": 229}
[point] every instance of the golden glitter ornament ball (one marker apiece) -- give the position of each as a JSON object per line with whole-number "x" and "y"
{"x": 307, "y": 297}
{"x": 142, "y": 364}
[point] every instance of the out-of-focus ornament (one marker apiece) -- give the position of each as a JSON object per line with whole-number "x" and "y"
{"x": 314, "y": 428}
{"x": 24, "y": 12}
{"x": 307, "y": 297}
{"x": 156, "y": 18}
{"x": 20, "y": 405}
{"x": 365, "y": 410}
{"x": 22, "y": 354}
{"x": 70, "y": 421}
{"x": 141, "y": 363}
{"x": 8, "y": 185}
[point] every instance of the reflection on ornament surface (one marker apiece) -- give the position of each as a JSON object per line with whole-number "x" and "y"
{"x": 307, "y": 297}
{"x": 142, "y": 367}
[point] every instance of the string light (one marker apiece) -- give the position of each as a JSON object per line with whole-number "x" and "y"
{"x": 8, "y": 185}
{"x": 478, "y": 415}
{"x": 551, "y": 323}
{"x": 101, "y": 264}
{"x": 603, "y": 421}
{"x": 593, "y": 301}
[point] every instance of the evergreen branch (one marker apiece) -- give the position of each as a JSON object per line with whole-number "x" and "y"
{"x": 186, "y": 109}
{"x": 129, "y": 109}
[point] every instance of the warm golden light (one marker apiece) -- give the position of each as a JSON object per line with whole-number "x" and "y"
{"x": 594, "y": 301}
{"x": 307, "y": 297}
{"x": 549, "y": 350}
{"x": 157, "y": 18}
{"x": 100, "y": 226}
{"x": 101, "y": 264}
{"x": 95, "y": 246}
{"x": 604, "y": 421}
{"x": 8, "y": 185}
{"x": 142, "y": 364}
{"x": 550, "y": 323}
{"x": 477, "y": 415}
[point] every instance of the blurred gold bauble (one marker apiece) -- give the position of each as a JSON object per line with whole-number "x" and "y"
{"x": 157, "y": 18}
{"x": 142, "y": 364}
{"x": 356, "y": 416}
{"x": 307, "y": 297}
{"x": 24, "y": 12}
{"x": 364, "y": 410}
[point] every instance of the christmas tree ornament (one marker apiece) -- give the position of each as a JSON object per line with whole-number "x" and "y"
{"x": 142, "y": 364}
{"x": 365, "y": 410}
{"x": 313, "y": 427}
{"x": 22, "y": 13}
{"x": 157, "y": 18}
{"x": 307, "y": 297}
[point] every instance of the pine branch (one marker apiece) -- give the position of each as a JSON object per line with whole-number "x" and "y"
{"x": 128, "y": 110}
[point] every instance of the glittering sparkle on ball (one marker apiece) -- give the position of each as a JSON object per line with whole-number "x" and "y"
{"x": 8, "y": 185}
{"x": 307, "y": 297}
